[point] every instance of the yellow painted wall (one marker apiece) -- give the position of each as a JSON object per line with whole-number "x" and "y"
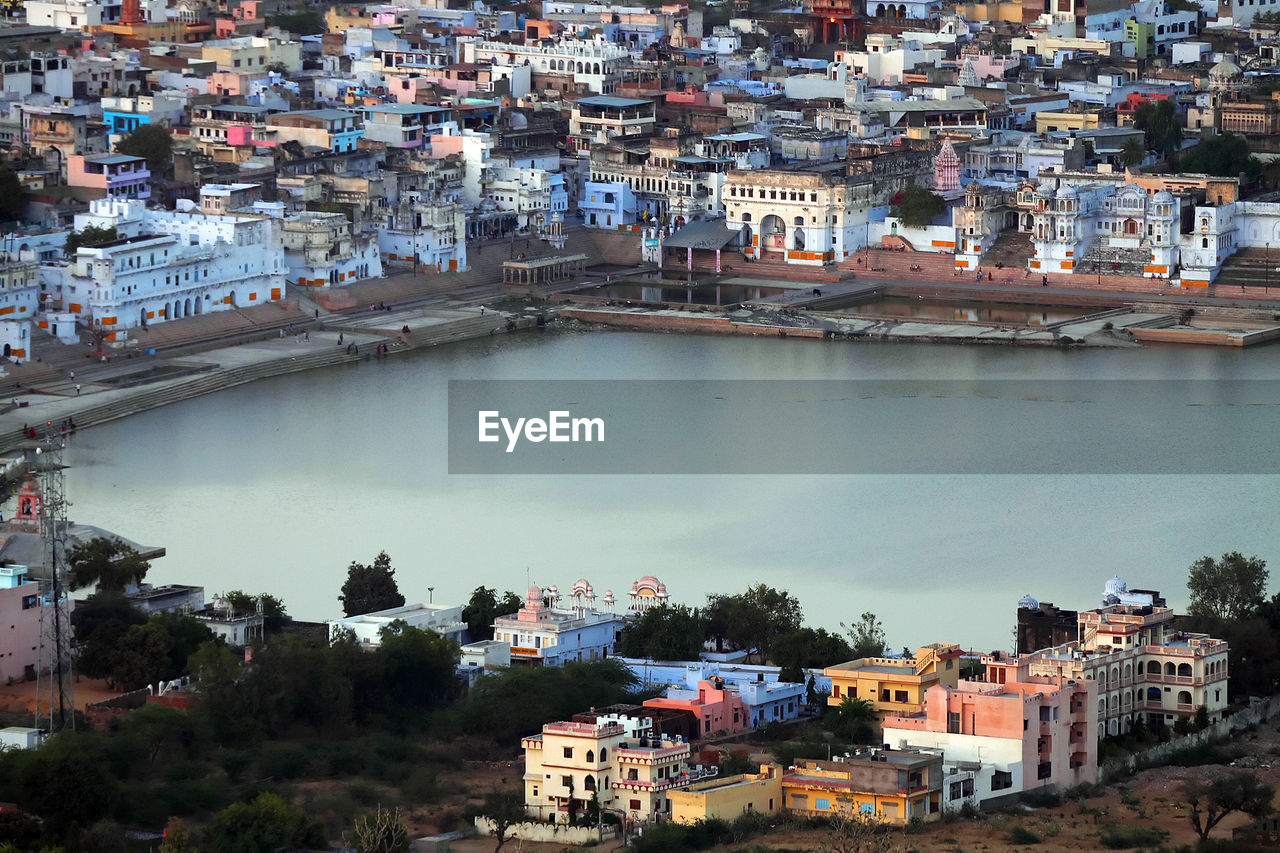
{"x": 729, "y": 797}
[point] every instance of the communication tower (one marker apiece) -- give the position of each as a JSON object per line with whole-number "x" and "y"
{"x": 55, "y": 617}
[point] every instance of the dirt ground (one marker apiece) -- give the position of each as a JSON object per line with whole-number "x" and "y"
{"x": 20, "y": 697}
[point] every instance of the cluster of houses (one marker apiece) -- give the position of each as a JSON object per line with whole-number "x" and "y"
{"x": 1010, "y": 724}
{"x": 719, "y": 135}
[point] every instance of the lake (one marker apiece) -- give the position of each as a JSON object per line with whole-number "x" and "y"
{"x": 276, "y": 486}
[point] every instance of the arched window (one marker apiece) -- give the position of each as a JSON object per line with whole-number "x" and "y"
{"x": 590, "y": 783}
{"x": 604, "y": 756}
{"x": 1153, "y": 694}
{"x": 1184, "y": 670}
{"x": 746, "y": 217}
{"x": 1139, "y": 667}
{"x": 1184, "y": 697}
{"x": 799, "y": 220}
{"x": 1170, "y": 669}
{"x": 591, "y": 756}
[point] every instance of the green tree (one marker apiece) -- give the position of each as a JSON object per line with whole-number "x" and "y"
{"x": 1225, "y": 156}
{"x": 1132, "y": 153}
{"x": 152, "y": 142}
{"x": 108, "y": 563}
{"x": 263, "y": 826}
{"x": 506, "y": 811}
{"x": 484, "y": 607}
{"x": 142, "y": 657}
{"x": 716, "y": 618}
{"x": 67, "y": 782}
{"x": 666, "y": 632}
{"x": 1211, "y": 801}
{"x": 1228, "y": 588}
{"x": 418, "y": 666}
{"x": 308, "y": 22}
{"x": 866, "y": 637}
{"x": 380, "y": 832}
{"x": 759, "y": 616}
{"x": 854, "y": 721}
{"x": 13, "y": 201}
{"x": 370, "y": 588}
{"x": 918, "y": 207}
{"x": 222, "y": 703}
{"x": 99, "y": 624}
{"x": 807, "y": 648}
{"x": 1160, "y": 123}
{"x": 178, "y": 838}
{"x": 88, "y": 237}
{"x": 186, "y": 635}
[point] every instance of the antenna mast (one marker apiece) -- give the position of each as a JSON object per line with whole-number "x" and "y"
{"x": 55, "y": 639}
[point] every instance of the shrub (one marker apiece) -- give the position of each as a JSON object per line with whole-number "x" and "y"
{"x": 1128, "y": 837}
{"x": 1022, "y": 835}
{"x": 1041, "y": 799}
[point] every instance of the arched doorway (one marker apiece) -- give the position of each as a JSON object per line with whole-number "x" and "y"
{"x": 1130, "y": 228}
{"x": 7, "y": 351}
{"x": 142, "y": 316}
{"x": 186, "y": 307}
{"x": 773, "y": 234}
{"x": 797, "y": 236}
{"x": 200, "y": 305}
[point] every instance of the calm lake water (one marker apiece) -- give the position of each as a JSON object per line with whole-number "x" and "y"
{"x": 276, "y": 486}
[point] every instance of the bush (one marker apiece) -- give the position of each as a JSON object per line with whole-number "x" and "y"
{"x": 1022, "y": 835}
{"x": 1128, "y": 837}
{"x": 1041, "y": 799}
{"x": 282, "y": 760}
{"x": 363, "y": 793}
{"x": 422, "y": 786}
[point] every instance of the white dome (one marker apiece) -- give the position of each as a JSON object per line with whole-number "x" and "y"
{"x": 1115, "y": 586}
{"x": 1067, "y": 191}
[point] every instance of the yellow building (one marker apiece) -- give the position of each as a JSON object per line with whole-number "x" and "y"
{"x": 895, "y": 685}
{"x": 616, "y": 759}
{"x": 1047, "y": 122}
{"x": 729, "y": 797}
{"x": 888, "y": 785}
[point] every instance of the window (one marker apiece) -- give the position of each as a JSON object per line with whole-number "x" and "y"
{"x": 1001, "y": 780}
{"x": 568, "y": 752}
{"x": 591, "y": 757}
{"x": 566, "y": 781}
{"x": 1045, "y": 770}
{"x": 866, "y": 808}
{"x": 953, "y": 722}
{"x": 900, "y": 696}
{"x": 634, "y": 805}
{"x": 821, "y": 804}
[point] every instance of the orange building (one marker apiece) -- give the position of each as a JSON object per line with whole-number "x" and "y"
{"x": 717, "y": 709}
{"x": 895, "y": 685}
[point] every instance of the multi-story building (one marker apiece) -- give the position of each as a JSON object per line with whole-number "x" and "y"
{"x": 424, "y": 229}
{"x": 729, "y": 797}
{"x": 117, "y": 176}
{"x": 541, "y": 634}
{"x": 123, "y": 115}
{"x": 251, "y": 53}
{"x": 601, "y": 118}
{"x": 895, "y": 685}
{"x": 169, "y": 264}
{"x": 616, "y": 762}
{"x": 407, "y": 125}
{"x": 583, "y": 66}
{"x": 893, "y": 786}
{"x": 58, "y": 132}
{"x": 1008, "y": 737}
{"x": 533, "y": 195}
{"x": 332, "y": 130}
{"x": 810, "y": 215}
{"x": 320, "y": 250}
{"x": 1145, "y": 669}
{"x": 19, "y": 301}
{"x": 230, "y": 132}
{"x": 716, "y": 708}
{"x": 21, "y": 607}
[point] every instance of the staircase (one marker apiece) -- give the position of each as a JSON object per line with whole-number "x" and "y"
{"x": 1251, "y": 268}
{"x": 1011, "y": 250}
{"x": 878, "y": 263}
{"x": 1101, "y": 259}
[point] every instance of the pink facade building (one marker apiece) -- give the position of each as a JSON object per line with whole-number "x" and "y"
{"x": 716, "y": 709}
{"x": 20, "y": 606}
{"x": 1003, "y": 738}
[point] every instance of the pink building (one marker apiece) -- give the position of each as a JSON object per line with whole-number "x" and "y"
{"x": 116, "y": 175}
{"x": 20, "y": 610}
{"x": 717, "y": 709}
{"x": 1033, "y": 732}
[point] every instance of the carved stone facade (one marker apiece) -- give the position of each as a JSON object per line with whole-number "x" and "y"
{"x": 808, "y": 217}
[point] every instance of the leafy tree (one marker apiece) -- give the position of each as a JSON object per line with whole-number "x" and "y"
{"x": 506, "y": 811}
{"x": 88, "y": 237}
{"x": 263, "y": 826}
{"x": 1132, "y": 153}
{"x": 484, "y": 607}
{"x": 1211, "y": 801}
{"x": 760, "y": 615}
{"x": 1160, "y": 123}
{"x": 854, "y": 721}
{"x": 142, "y": 657}
{"x": 866, "y": 637}
{"x": 68, "y": 782}
{"x": 1229, "y": 588}
{"x": 418, "y": 666}
{"x": 1225, "y": 156}
{"x": 99, "y": 624}
{"x": 13, "y": 201}
{"x": 370, "y": 588}
{"x": 186, "y": 635}
{"x": 221, "y": 700}
{"x": 918, "y": 206}
{"x": 152, "y": 142}
{"x": 108, "y": 563}
{"x": 665, "y": 632}
{"x": 716, "y": 618}
{"x": 20, "y": 831}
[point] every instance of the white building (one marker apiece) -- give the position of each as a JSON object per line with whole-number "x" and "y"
{"x": 887, "y": 58}
{"x": 170, "y": 264}
{"x": 19, "y": 301}
{"x": 533, "y": 195}
{"x": 83, "y": 14}
{"x": 592, "y": 63}
{"x": 321, "y": 251}
{"x": 542, "y": 634}
{"x": 425, "y": 231}
{"x": 442, "y": 619}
